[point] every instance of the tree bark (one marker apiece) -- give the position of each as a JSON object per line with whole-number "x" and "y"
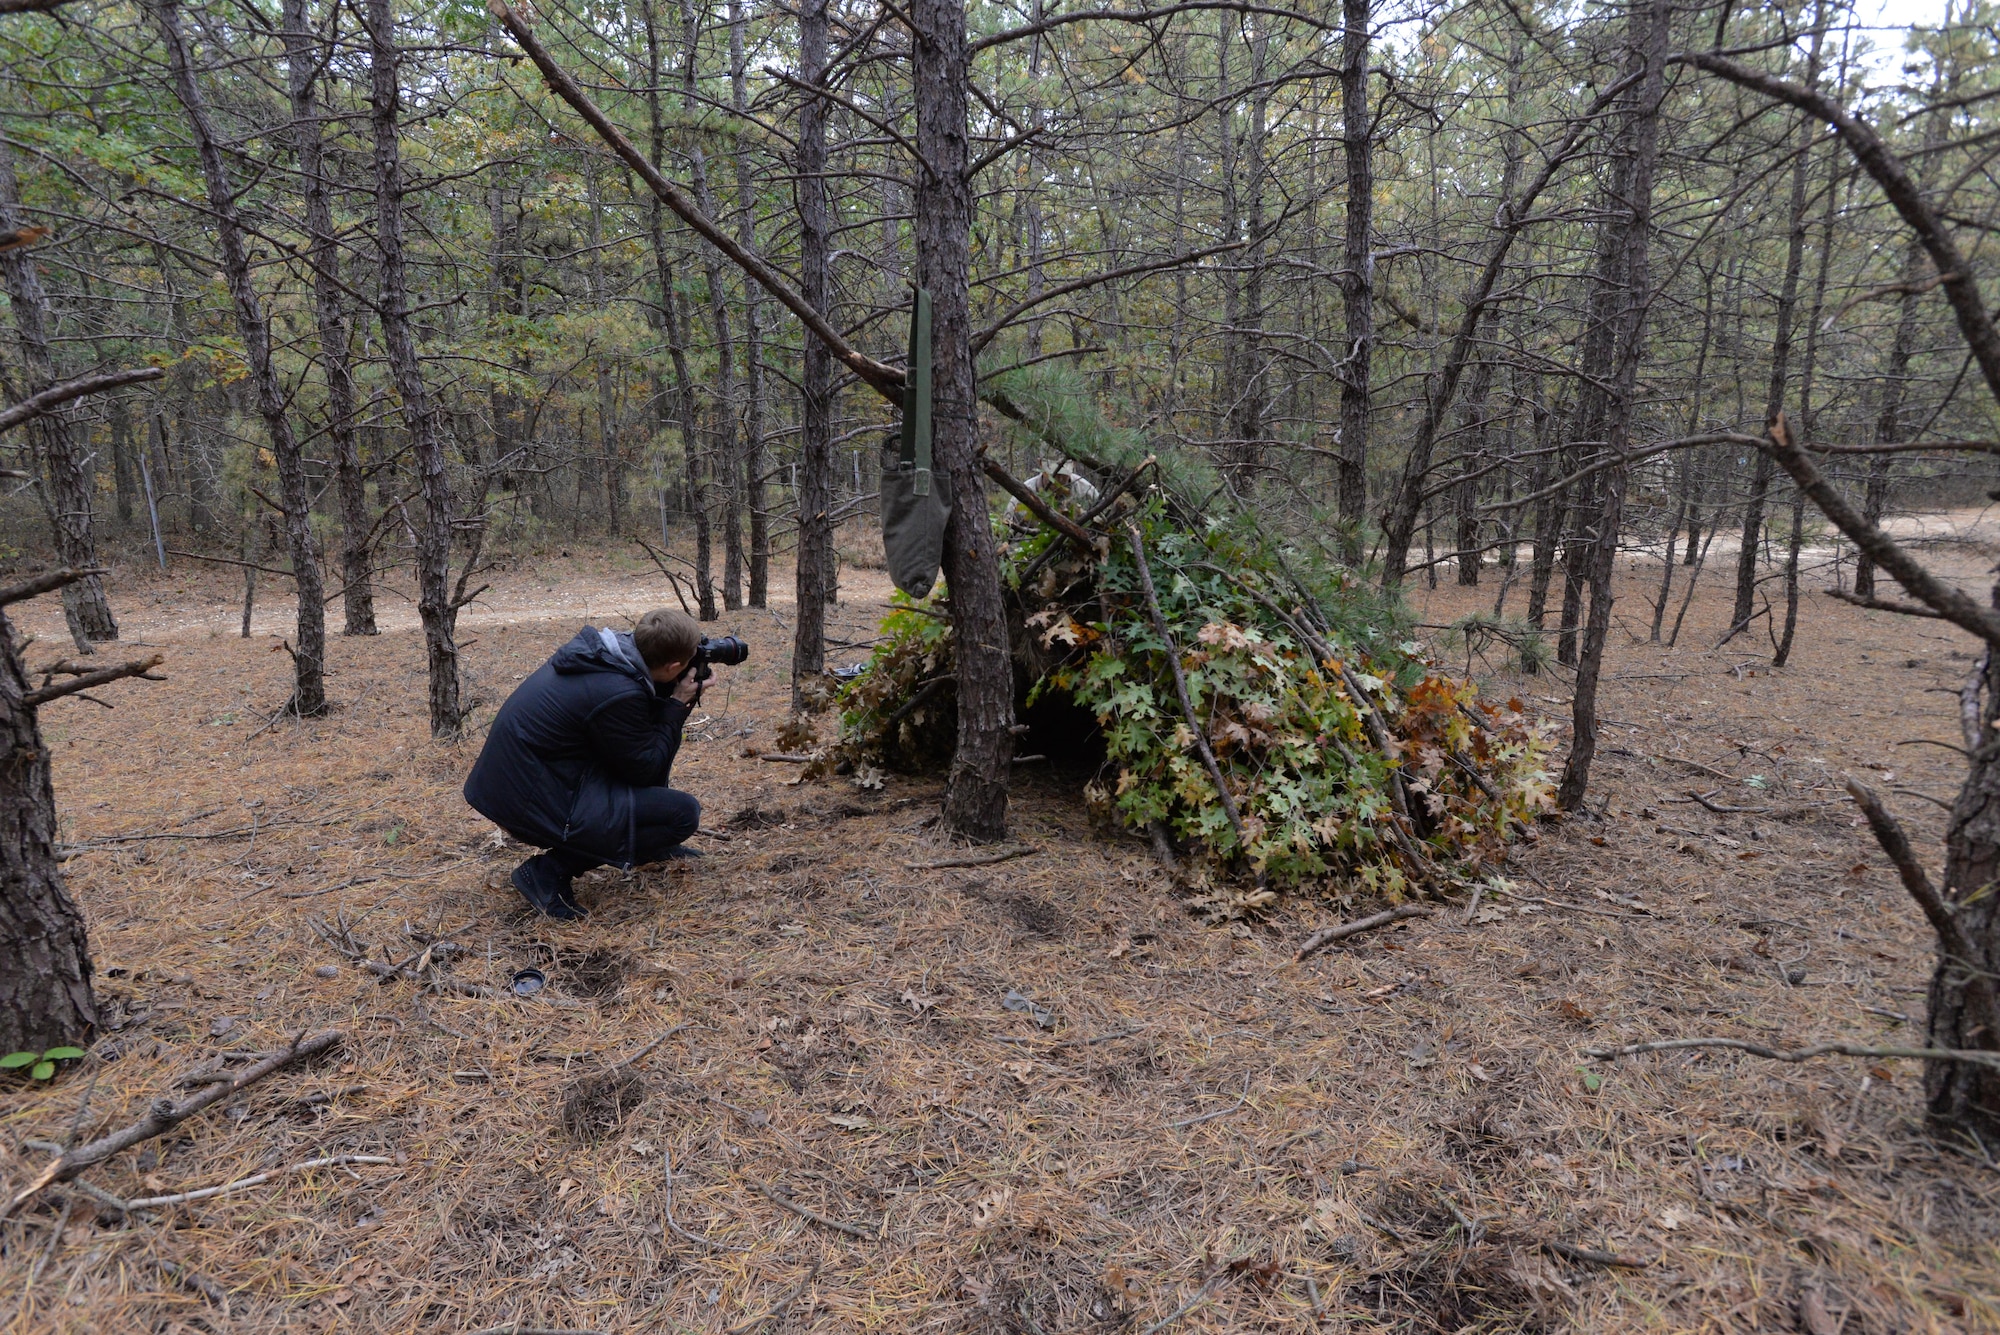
{"x": 676, "y": 333}
{"x": 254, "y": 327}
{"x": 433, "y": 534}
{"x": 815, "y": 484}
{"x": 46, "y": 998}
{"x": 51, "y": 436}
{"x": 1357, "y": 275}
{"x": 1889, "y": 423}
{"x": 330, "y": 321}
{"x": 976, "y": 798}
{"x": 728, "y": 461}
{"x": 1649, "y": 42}
{"x": 753, "y": 333}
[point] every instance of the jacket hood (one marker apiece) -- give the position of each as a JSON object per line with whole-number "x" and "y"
{"x": 595, "y": 650}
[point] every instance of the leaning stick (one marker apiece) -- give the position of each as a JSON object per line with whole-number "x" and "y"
{"x": 1327, "y": 936}
{"x": 1798, "y": 1054}
{"x": 1039, "y": 508}
{"x": 1180, "y": 685}
{"x": 1951, "y": 936}
{"x": 165, "y": 1115}
{"x": 883, "y": 379}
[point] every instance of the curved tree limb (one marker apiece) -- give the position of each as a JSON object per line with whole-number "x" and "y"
{"x": 56, "y": 395}
{"x": 1880, "y": 162}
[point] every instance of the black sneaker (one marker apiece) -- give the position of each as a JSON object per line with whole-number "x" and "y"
{"x": 546, "y": 889}
{"x": 682, "y": 853}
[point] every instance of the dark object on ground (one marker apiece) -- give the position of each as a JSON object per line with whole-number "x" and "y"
{"x": 527, "y": 982}
{"x": 597, "y": 1104}
{"x": 547, "y": 889}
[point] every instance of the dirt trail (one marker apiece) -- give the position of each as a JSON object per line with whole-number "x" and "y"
{"x": 1399, "y": 1134}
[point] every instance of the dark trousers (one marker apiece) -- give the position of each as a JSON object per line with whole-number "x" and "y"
{"x": 662, "y": 819}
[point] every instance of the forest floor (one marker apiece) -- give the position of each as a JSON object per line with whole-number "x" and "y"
{"x": 1183, "y": 1131}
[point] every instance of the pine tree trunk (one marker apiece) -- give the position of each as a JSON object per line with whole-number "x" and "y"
{"x": 46, "y": 999}
{"x": 51, "y": 436}
{"x": 1357, "y": 275}
{"x": 1633, "y": 198}
{"x": 976, "y": 799}
{"x": 253, "y": 326}
{"x": 331, "y": 325}
{"x": 754, "y": 502}
{"x": 433, "y": 534}
{"x": 1889, "y": 423}
{"x": 815, "y": 484}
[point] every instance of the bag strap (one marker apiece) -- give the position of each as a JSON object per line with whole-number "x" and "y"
{"x": 916, "y": 432}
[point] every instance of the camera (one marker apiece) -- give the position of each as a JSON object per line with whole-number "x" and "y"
{"x": 724, "y": 649}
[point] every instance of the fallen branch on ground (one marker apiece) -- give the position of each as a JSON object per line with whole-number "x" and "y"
{"x": 165, "y": 1115}
{"x": 1721, "y": 808}
{"x": 1328, "y": 935}
{"x": 777, "y": 1310}
{"x": 255, "y": 1180}
{"x": 852, "y": 1230}
{"x": 1799, "y": 1054}
{"x": 1591, "y": 1256}
{"x": 976, "y": 859}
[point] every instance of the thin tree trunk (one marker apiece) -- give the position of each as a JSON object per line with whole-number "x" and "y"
{"x": 121, "y": 456}
{"x": 433, "y": 534}
{"x": 976, "y": 799}
{"x": 330, "y": 318}
{"x": 1807, "y": 365}
{"x": 1889, "y": 422}
{"x": 753, "y": 333}
{"x": 728, "y": 464}
{"x": 1649, "y": 41}
{"x": 46, "y": 998}
{"x": 1357, "y": 274}
{"x": 676, "y": 332}
{"x": 253, "y": 326}
{"x": 815, "y": 478}
{"x": 51, "y": 436}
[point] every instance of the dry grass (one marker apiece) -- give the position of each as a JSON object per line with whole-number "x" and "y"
{"x": 1403, "y": 1120}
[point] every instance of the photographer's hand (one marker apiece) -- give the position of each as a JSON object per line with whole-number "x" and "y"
{"x": 687, "y": 690}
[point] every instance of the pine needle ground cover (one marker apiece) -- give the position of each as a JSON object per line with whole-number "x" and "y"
{"x": 1200, "y": 1125}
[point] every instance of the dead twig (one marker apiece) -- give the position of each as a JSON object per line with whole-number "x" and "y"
{"x": 648, "y": 1049}
{"x": 779, "y": 1308}
{"x": 1326, "y": 936}
{"x": 1799, "y": 1054}
{"x": 255, "y": 1180}
{"x": 1590, "y": 1256}
{"x": 166, "y": 1115}
{"x": 813, "y": 1216}
{"x": 977, "y": 859}
{"x": 197, "y": 1282}
{"x": 1721, "y": 808}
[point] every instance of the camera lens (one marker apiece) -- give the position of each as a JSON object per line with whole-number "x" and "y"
{"x": 725, "y": 649}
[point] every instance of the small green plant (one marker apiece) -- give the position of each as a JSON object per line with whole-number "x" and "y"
{"x": 41, "y": 1065}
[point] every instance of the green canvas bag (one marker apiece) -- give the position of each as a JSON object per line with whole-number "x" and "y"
{"x": 914, "y": 503}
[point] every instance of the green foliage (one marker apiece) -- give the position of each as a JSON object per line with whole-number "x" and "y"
{"x": 1284, "y": 661}
{"x": 39, "y": 1065}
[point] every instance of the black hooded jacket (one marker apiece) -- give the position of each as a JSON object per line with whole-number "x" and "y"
{"x": 572, "y": 743}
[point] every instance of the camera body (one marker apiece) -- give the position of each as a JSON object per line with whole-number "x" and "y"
{"x": 724, "y": 649}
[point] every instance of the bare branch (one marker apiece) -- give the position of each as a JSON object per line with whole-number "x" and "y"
{"x": 56, "y": 395}
{"x": 138, "y": 667}
{"x": 1884, "y": 604}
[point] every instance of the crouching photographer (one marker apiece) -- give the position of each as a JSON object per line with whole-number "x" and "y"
{"x": 577, "y": 760}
